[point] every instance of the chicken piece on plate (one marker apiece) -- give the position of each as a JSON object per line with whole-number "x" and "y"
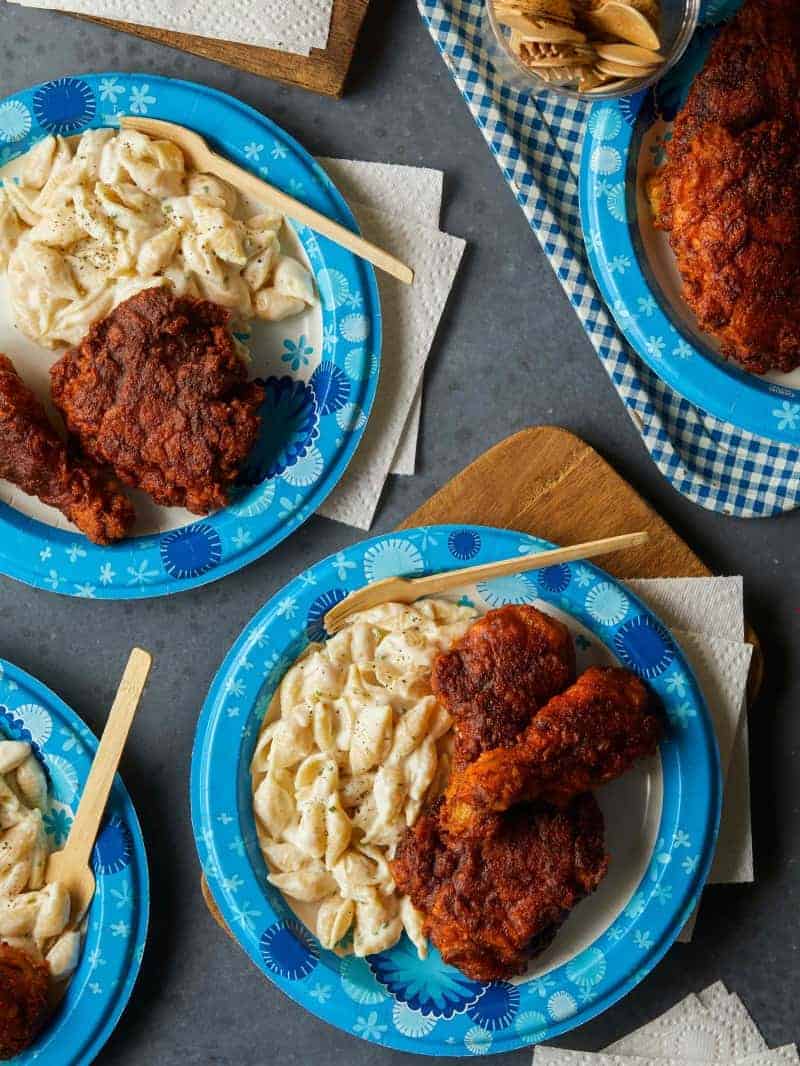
{"x": 24, "y": 985}
{"x": 495, "y": 679}
{"x": 585, "y": 737}
{"x": 493, "y": 902}
{"x": 729, "y": 193}
{"x": 33, "y": 457}
{"x": 158, "y": 391}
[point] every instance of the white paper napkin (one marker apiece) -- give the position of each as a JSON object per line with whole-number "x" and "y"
{"x": 411, "y": 316}
{"x": 416, "y": 193}
{"x": 714, "y": 995}
{"x": 712, "y": 1027}
{"x": 712, "y": 611}
{"x": 733, "y": 863}
{"x": 646, "y": 1039}
{"x": 547, "y": 1056}
{"x": 721, "y": 668}
{"x": 294, "y": 26}
{"x": 692, "y": 1032}
{"x": 710, "y": 605}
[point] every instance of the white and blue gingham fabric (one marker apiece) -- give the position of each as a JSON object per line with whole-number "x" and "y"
{"x": 537, "y": 142}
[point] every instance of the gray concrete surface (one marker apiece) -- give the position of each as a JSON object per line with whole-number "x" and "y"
{"x": 198, "y": 1000}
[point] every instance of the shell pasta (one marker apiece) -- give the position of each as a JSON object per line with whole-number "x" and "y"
{"x": 34, "y": 916}
{"x": 352, "y": 745}
{"x": 91, "y": 225}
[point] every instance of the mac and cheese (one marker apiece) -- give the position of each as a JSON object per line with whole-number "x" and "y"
{"x": 33, "y": 915}
{"x": 89, "y": 226}
{"x": 352, "y": 745}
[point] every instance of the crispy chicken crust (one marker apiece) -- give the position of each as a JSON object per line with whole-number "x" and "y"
{"x": 587, "y": 736}
{"x": 495, "y": 901}
{"x": 33, "y": 457}
{"x": 24, "y": 984}
{"x": 498, "y": 862}
{"x": 158, "y": 391}
{"x": 495, "y": 679}
{"x": 729, "y": 194}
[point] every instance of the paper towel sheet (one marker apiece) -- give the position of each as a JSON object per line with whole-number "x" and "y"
{"x": 644, "y": 1040}
{"x": 782, "y": 1056}
{"x": 721, "y": 668}
{"x": 714, "y": 1026}
{"x": 294, "y": 26}
{"x": 405, "y": 458}
{"x": 733, "y": 860}
{"x": 692, "y": 1032}
{"x": 714, "y": 607}
{"x": 412, "y": 191}
{"x": 713, "y": 996}
{"x": 411, "y": 317}
{"x": 733, "y": 863}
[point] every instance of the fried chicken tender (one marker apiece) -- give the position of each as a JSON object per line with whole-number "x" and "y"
{"x": 158, "y": 391}
{"x": 24, "y": 984}
{"x": 493, "y": 902}
{"x": 587, "y": 736}
{"x": 495, "y": 679}
{"x": 729, "y": 194}
{"x": 33, "y": 457}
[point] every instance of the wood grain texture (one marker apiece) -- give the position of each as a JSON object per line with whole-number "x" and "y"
{"x": 548, "y": 482}
{"x": 324, "y": 71}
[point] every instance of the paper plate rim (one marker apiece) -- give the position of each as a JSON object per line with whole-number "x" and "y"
{"x": 136, "y": 938}
{"x": 722, "y": 388}
{"x": 207, "y": 804}
{"x": 29, "y": 536}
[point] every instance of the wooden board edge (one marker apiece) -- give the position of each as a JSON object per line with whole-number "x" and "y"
{"x": 325, "y": 71}
{"x": 211, "y": 904}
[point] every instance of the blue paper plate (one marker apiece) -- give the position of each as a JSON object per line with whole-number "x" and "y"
{"x": 393, "y": 998}
{"x": 117, "y": 920}
{"x": 318, "y": 398}
{"x": 635, "y": 269}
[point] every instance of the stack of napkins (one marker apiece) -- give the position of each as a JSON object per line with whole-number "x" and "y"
{"x": 712, "y": 1027}
{"x": 397, "y": 207}
{"x": 706, "y": 617}
{"x": 294, "y": 26}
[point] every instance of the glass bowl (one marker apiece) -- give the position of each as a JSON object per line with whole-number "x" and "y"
{"x": 678, "y": 22}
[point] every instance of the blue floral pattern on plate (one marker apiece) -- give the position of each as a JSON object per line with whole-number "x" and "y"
{"x": 429, "y": 986}
{"x": 610, "y": 222}
{"x": 191, "y": 551}
{"x": 117, "y": 920}
{"x": 65, "y": 106}
{"x": 289, "y": 425}
{"x": 311, "y": 427}
{"x": 394, "y": 998}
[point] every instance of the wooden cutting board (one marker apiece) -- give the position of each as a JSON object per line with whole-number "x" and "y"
{"x": 324, "y": 71}
{"x": 548, "y": 482}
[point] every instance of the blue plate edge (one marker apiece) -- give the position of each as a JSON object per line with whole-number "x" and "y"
{"x": 112, "y": 1017}
{"x": 588, "y": 1011}
{"x": 694, "y": 392}
{"x": 170, "y": 586}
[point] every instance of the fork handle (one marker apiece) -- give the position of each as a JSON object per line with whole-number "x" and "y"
{"x": 470, "y": 575}
{"x": 84, "y": 829}
{"x": 300, "y": 212}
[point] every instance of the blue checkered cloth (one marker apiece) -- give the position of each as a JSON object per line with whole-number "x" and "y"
{"x": 536, "y": 142}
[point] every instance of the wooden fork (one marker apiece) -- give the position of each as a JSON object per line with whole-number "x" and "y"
{"x": 406, "y": 590}
{"x": 71, "y": 865}
{"x": 200, "y": 156}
